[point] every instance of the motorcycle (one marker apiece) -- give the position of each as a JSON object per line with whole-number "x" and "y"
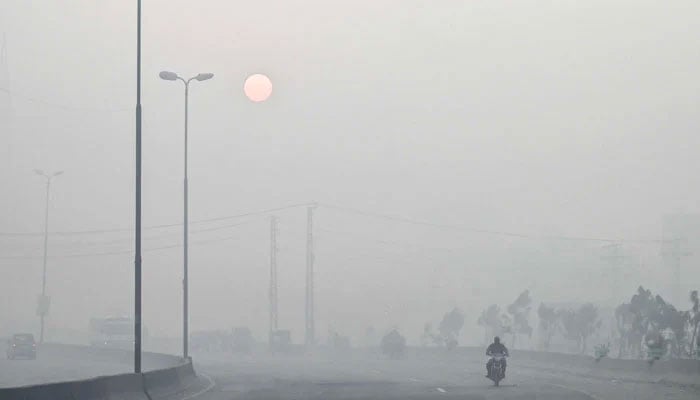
{"x": 496, "y": 373}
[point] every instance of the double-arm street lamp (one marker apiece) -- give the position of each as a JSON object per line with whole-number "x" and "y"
{"x": 171, "y": 76}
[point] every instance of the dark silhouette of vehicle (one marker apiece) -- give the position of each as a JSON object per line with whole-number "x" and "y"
{"x": 21, "y": 345}
{"x": 280, "y": 341}
{"x": 242, "y": 340}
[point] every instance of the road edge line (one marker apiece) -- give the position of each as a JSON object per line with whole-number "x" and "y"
{"x": 206, "y": 389}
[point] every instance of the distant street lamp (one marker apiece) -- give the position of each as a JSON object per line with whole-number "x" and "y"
{"x": 43, "y": 307}
{"x": 172, "y": 76}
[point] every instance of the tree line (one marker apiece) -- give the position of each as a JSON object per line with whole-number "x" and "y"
{"x": 644, "y": 325}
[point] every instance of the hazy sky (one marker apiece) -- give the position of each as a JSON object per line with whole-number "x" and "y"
{"x": 574, "y": 118}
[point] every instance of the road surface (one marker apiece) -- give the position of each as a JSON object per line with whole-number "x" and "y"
{"x": 372, "y": 377}
{"x": 360, "y": 375}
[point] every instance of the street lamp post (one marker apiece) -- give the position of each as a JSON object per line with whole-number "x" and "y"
{"x": 137, "y": 202}
{"x": 43, "y": 306}
{"x": 172, "y": 76}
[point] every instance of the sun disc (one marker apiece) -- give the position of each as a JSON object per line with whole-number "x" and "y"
{"x": 257, "y": 88}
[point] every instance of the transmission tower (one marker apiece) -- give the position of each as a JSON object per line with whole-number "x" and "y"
{"x": 309, "y": 312}
{"x": 273, "y": 276}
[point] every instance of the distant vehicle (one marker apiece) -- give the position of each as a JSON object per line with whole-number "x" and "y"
{"x": 242, "y": 340}
{"x": 339, "y": 342}
{"x": 21, "y": 345}
{"x": 112, "y": 332}
{"x": 280, "y": 341}
{"x": 213, "y": 341}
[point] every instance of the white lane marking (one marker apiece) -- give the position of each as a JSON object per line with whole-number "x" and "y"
{"x": 441, "y": 390}
{"x": 376, "y": 371}
{"x": 589, "y": 394}
{"x": 201, "y": 392}
{"x": 414, "y": 380}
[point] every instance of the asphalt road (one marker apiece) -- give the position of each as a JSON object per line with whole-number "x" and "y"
{"x": 372, "y": 377}
{"x": 359, "y": 375}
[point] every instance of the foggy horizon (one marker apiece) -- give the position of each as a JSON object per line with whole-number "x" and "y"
{"x": 459, "y": 153}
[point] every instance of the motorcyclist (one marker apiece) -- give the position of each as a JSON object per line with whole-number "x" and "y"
{"x": 496, "y": 348}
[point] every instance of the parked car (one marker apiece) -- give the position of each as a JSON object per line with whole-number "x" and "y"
{"x": 21, "y": 345}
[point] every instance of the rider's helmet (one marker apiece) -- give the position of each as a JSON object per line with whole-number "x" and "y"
{"x": 497, "y": 340}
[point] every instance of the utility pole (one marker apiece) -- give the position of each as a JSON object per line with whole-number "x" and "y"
{"x": 137, "y": 208}
{"x": 44, "y": 301}
{"x": 673, "y": 251}
{"x": 310, "y": 328}
{"x": 615, "y": 259}
{"x": 273, "y": 276}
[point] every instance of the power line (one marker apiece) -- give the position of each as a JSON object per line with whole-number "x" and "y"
{"x": 61, "y": 106}
{"x": 119, "y": 252}
{"x": 161, "y": 226}
{"x": 407, "y": 245}
{"x": 416, "y": 222}
{"x": 394, "y": 218}
{"x": 155, "y": 237}
{"x": 463, "y": 228}
{"x": 253, "y": 213}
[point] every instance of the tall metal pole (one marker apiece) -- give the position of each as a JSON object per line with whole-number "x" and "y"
{"x": 172, "y": 76}
{"x": 137, "y": 225}
{"x": 310, "y": 324}
{"x": 185, "y": 291}
{"x": 46, "y": 242}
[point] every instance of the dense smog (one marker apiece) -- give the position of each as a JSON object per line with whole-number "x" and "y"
{"x": 387, "y": 199}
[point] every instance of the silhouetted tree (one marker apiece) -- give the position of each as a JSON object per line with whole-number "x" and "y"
{"x": 520, "y": 312}
{"x": 653, "y": 317}
{"x": 547, "y": 324}
{"x": 667, "y": 318}
{"x": 647, "y": 318}
{"x": 694, "y": 320}
{"x": 427, "y": 337}
{"x": 452, "y": 322}
{"x": 580, "y": 324}
{"x": 629, "y": 331}
{"x": 491, "y": 320}
{"x": 393, "y": 344}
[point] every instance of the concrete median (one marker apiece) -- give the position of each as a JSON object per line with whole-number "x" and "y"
{"x": 176, "y": 376}
{"x": 163, "y": 383}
